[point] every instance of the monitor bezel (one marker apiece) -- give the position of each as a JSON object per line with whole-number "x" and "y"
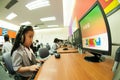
{"x": 78, "y": 43}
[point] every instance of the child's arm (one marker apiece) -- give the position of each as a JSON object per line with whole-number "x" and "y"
{"x": 28, "y": 68}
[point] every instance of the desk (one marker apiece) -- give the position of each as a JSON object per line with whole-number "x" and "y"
{"x": 70, "y": 50}
{"x": 74, "y": 67}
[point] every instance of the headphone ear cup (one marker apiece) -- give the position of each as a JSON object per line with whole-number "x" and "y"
{"x": 22, "y": 39}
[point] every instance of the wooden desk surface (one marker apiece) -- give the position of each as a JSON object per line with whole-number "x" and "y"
{"x": 70, "y": 50}
{"x": 74, "y": 67}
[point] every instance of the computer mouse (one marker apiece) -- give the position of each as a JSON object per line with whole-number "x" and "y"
{"x": 65, "y": 48}
{"x": 57, "y": 55}
{"x": 54, "y": 51}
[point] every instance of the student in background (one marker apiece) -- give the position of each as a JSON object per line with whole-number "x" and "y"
{"x": 34, "y": 49}
{"x": 55, "y": 45}
{"x": 37, "y": 43}
{"x": 48, "y": 46}
{"x": 41, "y": 45}
{"x": 23, "y": 59}
{"x": 7, "y": 46}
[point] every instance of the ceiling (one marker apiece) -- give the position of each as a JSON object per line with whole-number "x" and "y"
{"x": 55, "y": 9}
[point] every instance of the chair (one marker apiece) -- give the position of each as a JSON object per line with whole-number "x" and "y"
{"x": 6, "y": 58}
{"x": 117, "y": 73}
{"x": 43, "y": 52}
{"x": 117, "y": 60}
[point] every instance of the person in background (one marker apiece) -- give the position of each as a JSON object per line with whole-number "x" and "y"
{"x": 41, "y": 45}
{"x": 7, "y": 46}
{"x": 55, "y": 46}
{"x": 60, "y": 42}
{"x": 23, "y": 59}
{"x": 37, "y": 43}
{"x": 48, "y": 46}
{"x": 34, "y": 49}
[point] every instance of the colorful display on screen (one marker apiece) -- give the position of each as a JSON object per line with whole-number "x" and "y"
{"x": 94, "y": 31}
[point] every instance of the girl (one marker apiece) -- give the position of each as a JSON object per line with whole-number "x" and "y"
{"x": 23, "y": 58}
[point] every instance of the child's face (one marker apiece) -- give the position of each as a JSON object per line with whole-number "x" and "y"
{"x": 28, "y": 38}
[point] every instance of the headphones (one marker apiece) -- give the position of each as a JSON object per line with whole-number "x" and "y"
{"x": 21, "y": 32}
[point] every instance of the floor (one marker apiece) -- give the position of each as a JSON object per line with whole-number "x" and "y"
{"x": 4, "y": 75}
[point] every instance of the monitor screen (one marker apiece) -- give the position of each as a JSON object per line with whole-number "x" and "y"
{"x": 1, "y": 40}
{"x": 77, "y": 38}
{"x": 95, "y": 31}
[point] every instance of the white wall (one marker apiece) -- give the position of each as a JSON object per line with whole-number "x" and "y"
{"x": 48, "y": 35}
{"x": 8, "y": 25}
{"x": 114, "y": 22}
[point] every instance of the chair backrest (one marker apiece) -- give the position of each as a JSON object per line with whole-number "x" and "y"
{"x": 117, "y": 73}
{"x": 117, "y": 55}
{"x": 43, "y": 52}
{"x": 6, "y": 57}
{"x": 116, "y": 60}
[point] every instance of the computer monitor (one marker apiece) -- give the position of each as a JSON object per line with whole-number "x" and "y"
{"x": 95, "y": 31}
{"x": 70, "y": 39}
{"x": 77, "y": 38}
{"x": 1, "y": 40}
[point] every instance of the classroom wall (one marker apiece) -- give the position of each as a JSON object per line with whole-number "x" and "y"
{"x": 82, "y": 6}
{"x": 8, "y": 28}
{"x": 114, "y": 22}
{"x": 11, "y": 33}
{"x": 48, "y": 35}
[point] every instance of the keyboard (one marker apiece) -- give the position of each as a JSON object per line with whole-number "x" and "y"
{"x": 34, "y": 73}
{"x": 33, "y": 76}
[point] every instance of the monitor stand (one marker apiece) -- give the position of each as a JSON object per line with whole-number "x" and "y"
{"x": 95, "y": 58}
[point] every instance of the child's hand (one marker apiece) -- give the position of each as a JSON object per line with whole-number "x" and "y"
{"x": 40, "y": 60}
{"x": 34, "y": 68}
